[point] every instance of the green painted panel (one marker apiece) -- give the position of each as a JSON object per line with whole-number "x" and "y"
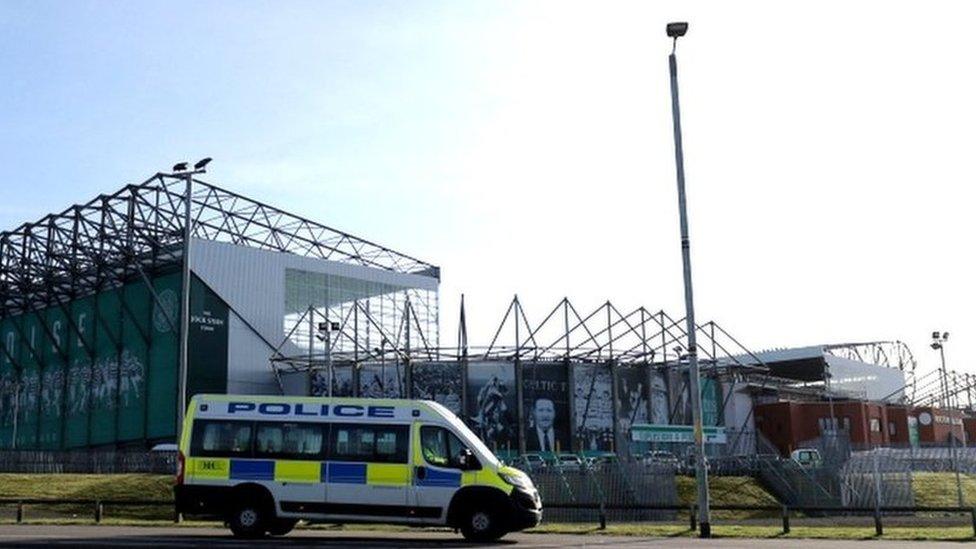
{"x": 28, "y": 405}
{"x": 9, "y": 378}
{"x": 136, "y": 328}
{"x": 52, "y": 377}
{"x": 163, "y": 359}
{"x": 711, "y": 402}
{"x": 108, "y": 330}
{"x": 80, "y": 372}
{"x": 208, "y": 341}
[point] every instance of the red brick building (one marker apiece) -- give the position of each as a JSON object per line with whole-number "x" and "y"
{"x": 935, "y": 425}
{"x": 789, "y": 424}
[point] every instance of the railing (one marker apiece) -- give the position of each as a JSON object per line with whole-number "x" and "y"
{"x": 97, "y": 506}
{"x": 785, "y": 512}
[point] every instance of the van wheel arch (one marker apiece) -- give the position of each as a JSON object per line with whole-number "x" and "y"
{"x": 467, "y": 497}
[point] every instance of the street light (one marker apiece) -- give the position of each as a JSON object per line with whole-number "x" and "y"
{"x": 676, "y": 30}
{"x": 180, "y": 170}
{"x": 938, "y": 343}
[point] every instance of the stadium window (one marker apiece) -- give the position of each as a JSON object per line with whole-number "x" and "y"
{"x": 892, "y": 430}
{"x": 288, "y": 441}
{"x": 221, "y": 439}
{"x": 875, "y": 425}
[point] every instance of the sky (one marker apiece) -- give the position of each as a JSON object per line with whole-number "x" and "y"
{"x": 525, "y": 147}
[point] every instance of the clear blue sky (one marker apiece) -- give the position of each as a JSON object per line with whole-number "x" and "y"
{"x": 525, "y": 146}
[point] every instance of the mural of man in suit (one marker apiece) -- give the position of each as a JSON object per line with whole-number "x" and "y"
{"x": 543, "y": 434}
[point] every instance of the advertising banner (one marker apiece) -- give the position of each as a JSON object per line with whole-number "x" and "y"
{"x": 492, "y": 406}
{"x": 593, "y": 407}
{"x": 545, "y": 393}
{"x": 440, "y": 382}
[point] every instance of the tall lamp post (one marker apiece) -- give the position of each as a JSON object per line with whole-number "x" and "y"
{"x": 676, "y": 30}
{"x": 938, "y": 340}
{"x": 181, "y": 170}
{"x": 938, "y": 343}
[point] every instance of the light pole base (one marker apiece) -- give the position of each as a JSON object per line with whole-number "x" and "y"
{"x": 705, "y": 530}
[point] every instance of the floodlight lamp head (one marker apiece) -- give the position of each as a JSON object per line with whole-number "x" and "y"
{"x": 677, "y": 29}
{"x": 202, "y": 163}
{"x": 935, "y": 335}
{"x": 945, "y": 336}
{"x": 936, "y": 345}
{"x": 179, "y": 167}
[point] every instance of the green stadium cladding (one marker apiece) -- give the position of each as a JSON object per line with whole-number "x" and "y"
{"x": 90, "y": 307}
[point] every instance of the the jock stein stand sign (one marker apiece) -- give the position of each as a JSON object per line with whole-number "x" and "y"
{"x": 646, "y": 432}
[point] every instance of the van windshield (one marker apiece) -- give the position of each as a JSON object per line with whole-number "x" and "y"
{"x": 468, "y": 436}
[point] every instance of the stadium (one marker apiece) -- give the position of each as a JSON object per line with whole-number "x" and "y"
{"x": 90, "y": 308}
{"x": 92, "y": 328}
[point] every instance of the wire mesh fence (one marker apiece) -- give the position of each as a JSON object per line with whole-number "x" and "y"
{"x": 578, "y": 493}
{"x": 87, "y": 461}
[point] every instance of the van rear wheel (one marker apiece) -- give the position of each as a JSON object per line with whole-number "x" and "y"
{"x": 482, "y": 524}
{"x": 249, "y": 520}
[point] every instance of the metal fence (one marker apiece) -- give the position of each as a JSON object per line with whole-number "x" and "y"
{"x": 623, "y": 490}
{"x": 87, "y": 461}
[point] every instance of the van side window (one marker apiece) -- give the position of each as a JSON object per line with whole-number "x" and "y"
{"x": 369, "y": 443}
{"x": 221, "y": 438}
{"x": 441, "y": 447}
{"x": 288, "y": 440}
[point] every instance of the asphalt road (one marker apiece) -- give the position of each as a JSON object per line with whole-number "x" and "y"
{"x": 125, "y": 536}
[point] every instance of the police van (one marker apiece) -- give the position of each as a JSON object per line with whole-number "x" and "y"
{"x": 262, "y": 463}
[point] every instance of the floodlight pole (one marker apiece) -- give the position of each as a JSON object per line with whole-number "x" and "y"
{"x": 701, "y": 471}
{"x": 181, "y": 400}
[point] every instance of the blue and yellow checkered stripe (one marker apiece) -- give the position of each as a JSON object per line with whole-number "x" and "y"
{"x": 337, "y": 472}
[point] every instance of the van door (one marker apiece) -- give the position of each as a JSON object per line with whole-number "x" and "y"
{"x": 294, "y": 452}
{"x": 368, "y": 471}
{"x": 437, "y": 472}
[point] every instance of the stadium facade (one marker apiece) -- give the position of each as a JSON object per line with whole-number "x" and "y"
{"x": 91, "y": 324}
{"x": 90, "y": 302}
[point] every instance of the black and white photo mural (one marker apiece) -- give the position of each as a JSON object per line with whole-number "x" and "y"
{"x": 545, "y": 394}
{"x": 440, "y": 382}
{"x": 382, "y": 380}
{"x": 341, "y": 381}
{"x": 492, "y": 406}
{"x": 659, "y": 398}
{"x": 632, "y": 391}
{"x": 593, "y": 397}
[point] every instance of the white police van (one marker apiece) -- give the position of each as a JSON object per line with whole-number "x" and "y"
{"x": 262, "y": 463}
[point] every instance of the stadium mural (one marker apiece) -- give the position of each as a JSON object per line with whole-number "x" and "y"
{"x": 382, "y": 380}
{"x": 440, "y": 382}
{"x": 492, "y": 405}
{"x": 102, "y": 369}
{"x": 632, "y": 393}
{"x": 593, "y": 394}
{"x": 342, "y": 382}
{"x": 545, "y": 401}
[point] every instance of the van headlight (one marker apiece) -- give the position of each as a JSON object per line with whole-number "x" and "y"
{"x": 519, "y": 480}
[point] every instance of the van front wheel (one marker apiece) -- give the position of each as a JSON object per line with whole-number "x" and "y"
{"x": 248, "y": 520}
{"x": 281, "y": 527}
{"x": 482, "y": 524}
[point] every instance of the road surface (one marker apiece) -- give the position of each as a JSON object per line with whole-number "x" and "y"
{"x": 33, "y": 535}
